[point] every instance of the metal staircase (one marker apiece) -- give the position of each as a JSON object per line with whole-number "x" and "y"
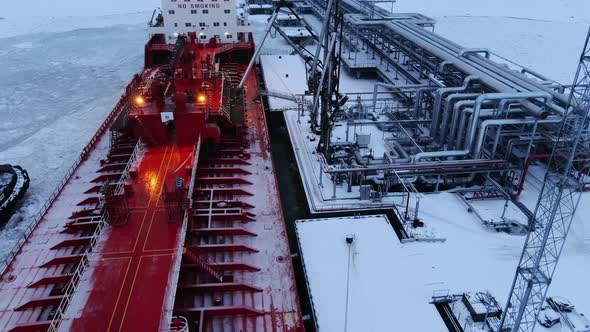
{"x": 202, "y": 263}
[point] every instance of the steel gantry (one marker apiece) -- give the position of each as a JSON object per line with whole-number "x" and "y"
{"x": 556, "y": 207}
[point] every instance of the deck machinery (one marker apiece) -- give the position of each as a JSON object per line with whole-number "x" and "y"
{"x": 170, "y": 220}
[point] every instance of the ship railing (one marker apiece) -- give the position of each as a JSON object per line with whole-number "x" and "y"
{"x": 160, "y": 47}
{"x": 76, "y": 278}
{"x": 222, "y": 109}
{"x": 227, "y": 47}
{"x": 137, "y": 151}
{"x": 191, "y": 187}
{"x": 265, "y": 133}
{"x": 225, "y": 112}
{"x": 172, "y": 286}
{"x": 223, "y": 86}
{"x": 123, "y": 102}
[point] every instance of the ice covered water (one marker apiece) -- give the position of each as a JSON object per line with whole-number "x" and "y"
{"x": 56, "y": 87}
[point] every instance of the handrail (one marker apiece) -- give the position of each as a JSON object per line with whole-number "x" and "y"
{"x": 225, "y": 112}
{"x": 73, "y": 284}
{"x": 188, "y": 210}
{"x": 265, "y": 127}
{"x": 134, "y": 157}
{"x": 124, "y": 101}
{"x": 227, "y": 47}
{"x": 77, "y": 276}
{"x": 171, "y": 286}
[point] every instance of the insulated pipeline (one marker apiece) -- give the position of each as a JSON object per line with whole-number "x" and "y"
{"x": 392, "y": 87}
{"x": 440, "y": 94}
{"x": 454, "y": 50}
{"x": 498, "y": 80}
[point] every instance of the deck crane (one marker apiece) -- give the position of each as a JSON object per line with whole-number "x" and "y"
{"x": 327, "y": 97}
{"x": 324, "y": 73}
{"x": 556, "y": 207}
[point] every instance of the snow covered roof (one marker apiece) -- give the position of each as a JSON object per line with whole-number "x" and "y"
{"x": 384, "y": 295}
{"x": 285, "y": 17}
{"x": 283, "y": 74}
{"x": 254, "y": 5}
{"x": 297, "y": 31}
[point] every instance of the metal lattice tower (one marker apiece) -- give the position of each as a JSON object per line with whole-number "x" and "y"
{"x": 555, "y": 209}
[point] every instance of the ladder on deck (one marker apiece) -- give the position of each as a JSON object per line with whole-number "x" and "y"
{"x": 203, "y": 264}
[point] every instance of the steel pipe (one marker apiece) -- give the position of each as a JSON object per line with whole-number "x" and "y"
{"x": 392, "y": 87}
{"x": 473, "y": 127}
{"x": 440, "y": 94}
{"x": 442, "y": 67}
{"x": 499, "y": 96}
{"x": 418, "y": 100}
{"x": 492, "y": 74}
{"x": 485, "y": 51}
{"x": 502, "y": 122}
{"x": 271, "y": 21}
{"x": 448, "y": 111}
{"x": 457, "y": 112}
{"x": 484, "y": 113}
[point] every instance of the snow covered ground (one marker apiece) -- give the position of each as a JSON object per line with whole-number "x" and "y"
{"x": 549, "y": 10}
{"x": 546, "y": 35}
{"x": 385, "y": 293}
{"x": 400, "y": 278}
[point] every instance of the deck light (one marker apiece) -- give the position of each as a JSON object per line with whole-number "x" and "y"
{"x": 202, "y": 98}
{"x": 139, "y": 100}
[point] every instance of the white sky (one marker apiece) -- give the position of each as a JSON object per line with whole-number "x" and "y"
{"x": 74, "y": 7}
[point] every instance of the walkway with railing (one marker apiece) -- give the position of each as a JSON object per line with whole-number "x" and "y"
{"x": 232, "y": 47}
{"x": 78, "y": 272}
{"x": 136, "y": 259}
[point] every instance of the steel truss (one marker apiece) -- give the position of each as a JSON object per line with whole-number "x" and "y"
{"x": 556, "y": 207}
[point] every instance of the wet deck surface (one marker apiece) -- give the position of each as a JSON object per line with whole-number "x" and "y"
{"x": 126, "y": 284}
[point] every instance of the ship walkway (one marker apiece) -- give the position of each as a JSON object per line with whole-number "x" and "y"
{"x": 125, "y": 284}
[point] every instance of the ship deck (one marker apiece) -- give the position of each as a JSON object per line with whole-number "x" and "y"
{"x": 260, "y": 293}
{"x": 126, "y": 284}
{"x": 27, "y": 290}
{"x": 75, "y": 272}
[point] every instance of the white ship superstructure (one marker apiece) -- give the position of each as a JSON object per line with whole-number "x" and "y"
{"x": 218, "y": 19}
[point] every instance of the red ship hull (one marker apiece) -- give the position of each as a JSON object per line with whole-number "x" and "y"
{"x": 171, "y": 220}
